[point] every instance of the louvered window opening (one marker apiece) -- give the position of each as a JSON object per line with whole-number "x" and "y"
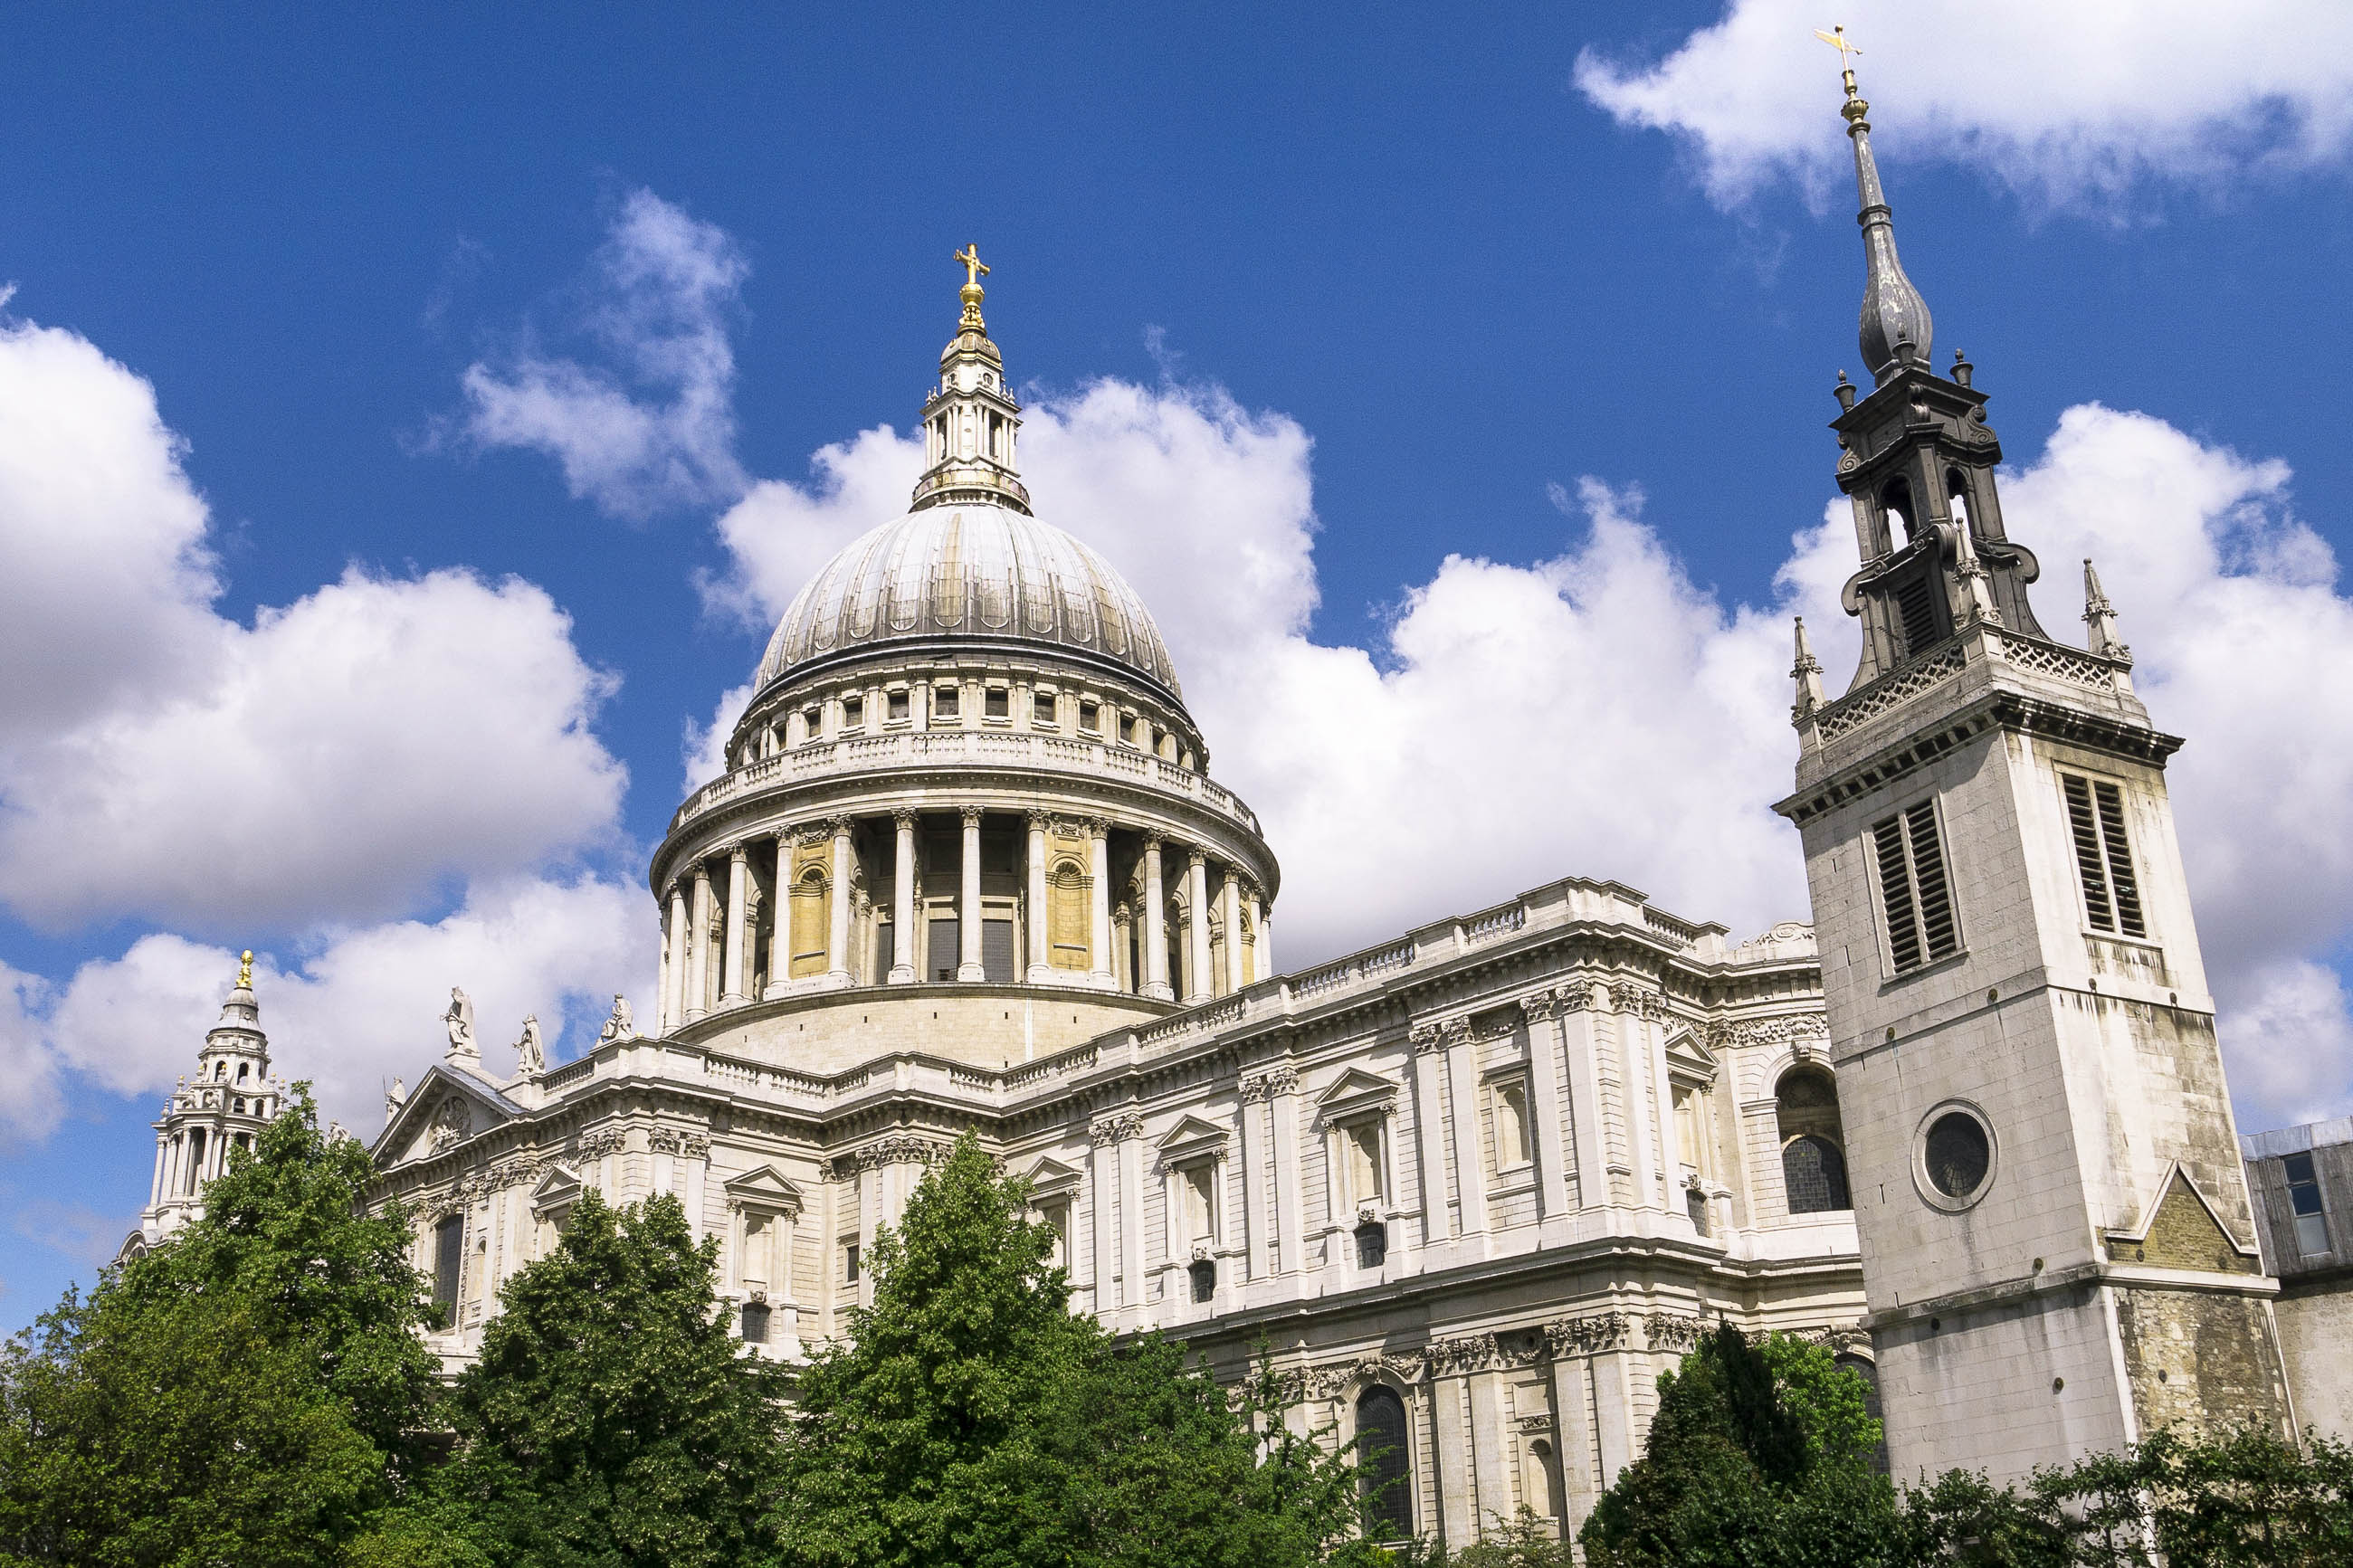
{"x": 2095, "y": 819}
{"x": 1914, "y": 605}
{"x": 1914, "y": 889}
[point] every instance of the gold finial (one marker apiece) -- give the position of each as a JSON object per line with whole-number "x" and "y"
{"x": 974, "y": 270}
{"x": 245, "y": 970}
{"x": 1836, "y": 38}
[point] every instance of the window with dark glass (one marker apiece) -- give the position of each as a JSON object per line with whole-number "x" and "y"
{"x": 996, "y": 703}
{"x": 1041, "y": 707}
{"x": 1205, "y": 1281}
{"x": 849, "y": 1263}
{"x": 1385, "y": 1461}
{"x": 944, "y": 939}
{"x": 1372, "y": 1245}
{"x": 448, "y": 1258}
{"x": 2303, "y": 1199}
{"x": 1915, "y": 895}
{"x": 895, "y": 705}
{"x": 1957, "y": 1154}
{"x": 1089, "y": 717}
{"x": 2095, "y": 819}
{"x": 1813, "y": 1140}
{"x": 755, "y": 1323}
{"x": 945, "y": 701}
{"x": 1814, "y": 1172}
{"x": 853, "y": 710}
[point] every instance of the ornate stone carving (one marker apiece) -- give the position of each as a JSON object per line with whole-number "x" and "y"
{"x": 897, "y": 1149}
{"x": 677, "y": 1141}
{"x": 1673, "y": 1331}
{"x": 903, "y": 820}
{"x": 1544, "y": 1005}
{"x": 1597, "y": 1332}
{"x": 1438, "y": 1035}
{"x": 972, "y": 815}
{"x": 1802, "y": 1032}
{"x": 1470, "y": 1352}
{"x": 453, "y": 1122}
{"x": 1274, "y": 1081}
{"x": 1113, "y": 1129}
{"x": 1334, "y": 1379}
{"x": 604, "y": 1140}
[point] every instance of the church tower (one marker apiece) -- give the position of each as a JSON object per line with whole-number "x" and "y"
{"x": 2057, "y": 1248}
{"x": 224, "y": 1107}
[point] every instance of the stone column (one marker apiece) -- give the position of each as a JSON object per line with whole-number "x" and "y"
{"x": 1156, "y": 926}
{"x": 1042, "y": 971}
{"x": 1230, "y": 913}
{"x": 1196, "y": 924}
{"x": 1131, "y": 1213}
{"x": 1283, "y": 1106}
{"x": 1542, "y": 1013}
{"x": 739, "y": 874}
{"x": 969, "y": 966}
{"x": 1103, "y": 1201}
{"x": 1429, "y": 1131}
{"x": 1574, "y": 1447}
{"x": 1256, "y": 1214}
{"x": 1257, "y": 969}
{"x": 674, "y": 964}
{"x": 837, "y": 936}
{"x": 1469, "y": 1153}
{"x": 780, "y": 921}
{"x": 1266, "y": 969}
{"x": 1099, "y": 882}
{"x": 1457, "y": 1510}
{"x": 902, "y": 900}
{"x": 1592, "y": 1152}
{"x": 698, "y": 991}
{"x": 1641, "y": 1117}
{"x": 155, "y": 1186}
{"x": 919, "y": 705}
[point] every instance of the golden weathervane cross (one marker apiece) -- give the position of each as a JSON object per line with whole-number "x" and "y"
{"x": 1836, "y": 38}
{"x": 974, "y": 268}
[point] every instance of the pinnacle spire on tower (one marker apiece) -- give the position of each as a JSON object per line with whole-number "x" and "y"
{"x": 970, "y": 416}
{"x": 1895, "y": 327}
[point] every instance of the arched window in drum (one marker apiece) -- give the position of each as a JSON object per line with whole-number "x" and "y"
{"x": 1813, "y": 1140}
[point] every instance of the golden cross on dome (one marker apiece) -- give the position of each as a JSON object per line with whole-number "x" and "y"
{"x": 974, "y": 268}
{"x": 245, "y": 970}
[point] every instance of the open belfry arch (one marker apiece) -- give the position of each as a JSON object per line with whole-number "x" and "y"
{"x": 2058, "y": 1249}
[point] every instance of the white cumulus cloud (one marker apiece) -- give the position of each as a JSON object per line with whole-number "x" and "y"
{"x": 650, "y": 425}
{"x": 2072, "y": 106}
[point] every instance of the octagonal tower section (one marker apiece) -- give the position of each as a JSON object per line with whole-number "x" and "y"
{"x": 965, "y": 812}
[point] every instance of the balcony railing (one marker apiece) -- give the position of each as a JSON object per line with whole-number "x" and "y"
{"x": 1055, "y": 754}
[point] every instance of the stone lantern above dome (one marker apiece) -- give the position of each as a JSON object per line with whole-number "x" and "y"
{"x": 966, "y": 773}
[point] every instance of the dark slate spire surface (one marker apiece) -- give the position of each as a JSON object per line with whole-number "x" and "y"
{"x": 1895, "y": 320}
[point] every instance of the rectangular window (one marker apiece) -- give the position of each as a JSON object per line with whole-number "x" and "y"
{"x": 2095, "y": 819}
{"x": 1916, "y": 895}
{"x": 1089, "y": 717}
{"x": 996, "y": 703}
{"x": 1127, "y": 728}
{"x": 2304, "y": 1198}
{"x": 944, "y": 951}
{"x": 895, "y": 705}
{"x": 853, "y": 710}
{"x": 944, "y": 700}
{"x": 1041, "y": 708}
{"x": 996, "y": 952}
{"x": 448, "y": 1258}
{"x": 812, "y": 723}
{"x": 755, "y": 1323}
{"x": 886, "y": 951}
{"x": 849, "y": 1263}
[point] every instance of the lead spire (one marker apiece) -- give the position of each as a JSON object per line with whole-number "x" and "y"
{"x": 1895, "y": 327}
{"x": 970, "y": 416}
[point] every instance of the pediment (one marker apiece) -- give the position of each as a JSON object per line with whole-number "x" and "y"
{"x": 1687, "y": 1051}
{"x": 1191, "y": 1139}
{"x": 761, "y": 1187}
{"x": 1355, "y": 1093}
{"x": 444, "y": 1111}
{"x": 1051, "y": 1178}
{"x": 558, "y": 1188}
{"x": 2182, "y": 1230}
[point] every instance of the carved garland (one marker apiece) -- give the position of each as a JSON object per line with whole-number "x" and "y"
{"x": 1116, "y": 1129}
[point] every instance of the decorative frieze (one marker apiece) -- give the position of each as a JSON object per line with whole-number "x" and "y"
{"x": 1265, "y": 1085}
{"x": 1673, "y": 1331}
{"x": 604, "y": 1140}
{"x": 1583, "y": 1336}
{"x": 1115, "y": 1129}
{"x": 1802, "y": 1032}
{"x": 1438, "y": 1035}
{"x": 678, "y": 1141}
{"x": 898, "y": 1149}
{"x": 453, "y": 1122}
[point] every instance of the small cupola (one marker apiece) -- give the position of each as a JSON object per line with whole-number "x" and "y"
{"x": 970, "y": 418}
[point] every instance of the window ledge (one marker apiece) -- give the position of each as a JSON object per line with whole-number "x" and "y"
{"x": 1953, "y": 960}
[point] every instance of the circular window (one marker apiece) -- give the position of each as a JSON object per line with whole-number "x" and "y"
{"x": 1956, "y": 1156}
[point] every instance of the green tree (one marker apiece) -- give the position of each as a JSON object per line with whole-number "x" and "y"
{"x": 968, "y": 1418}
{"x": 286, "y": 1229}
{"x": 1759, "y": 1456}
{"x": 188, "y": 1434}
{"x": 614, "y": 1419}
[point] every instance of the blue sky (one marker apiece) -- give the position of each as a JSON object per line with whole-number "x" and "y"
{"x": 1363, "y": 296}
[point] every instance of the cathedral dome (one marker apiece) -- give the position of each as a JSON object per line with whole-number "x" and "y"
{"x": 974, "y": 572}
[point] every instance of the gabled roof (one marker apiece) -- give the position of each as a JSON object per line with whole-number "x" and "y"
{"x": 403, "y": 1138}
{"x": 1355, "y": 1091}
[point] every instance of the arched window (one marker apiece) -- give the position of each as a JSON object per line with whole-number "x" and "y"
{"x": 810, "y": 924}
{"x": 1385, "y": 1461}
{"x": 1956, "y": 495}
{"x": 1372, "y": 1244}
{"x": 1813, "y": 1140}
{"x": 1205, "y": 1281}
{"x": 1814, "y": 1172}
{"x": 1896, "y": 501}
{"x": 1540, "y": 1480}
